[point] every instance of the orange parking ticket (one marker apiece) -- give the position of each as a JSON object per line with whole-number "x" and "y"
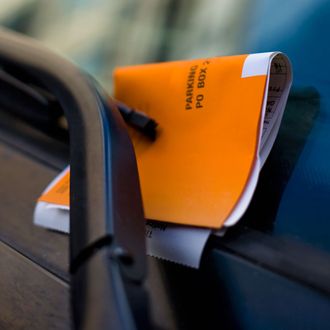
{"x": 218, "y": 119}
{"x": 211, "y": 114}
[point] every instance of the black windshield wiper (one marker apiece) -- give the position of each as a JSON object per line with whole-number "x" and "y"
{"x": 107, "y": 246}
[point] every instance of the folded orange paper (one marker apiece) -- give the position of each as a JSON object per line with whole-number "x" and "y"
{"x": 218, "y": 119}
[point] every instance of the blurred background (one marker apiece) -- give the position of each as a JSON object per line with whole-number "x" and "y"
{"x": 101, "y": 34}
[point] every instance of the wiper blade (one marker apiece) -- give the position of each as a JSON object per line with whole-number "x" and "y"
{"x": 107, "y": 246}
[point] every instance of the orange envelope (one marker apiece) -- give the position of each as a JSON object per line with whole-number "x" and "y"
{"x": 218, "y": 118}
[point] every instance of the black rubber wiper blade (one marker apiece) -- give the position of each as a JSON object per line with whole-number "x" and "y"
{"x": 107, "y": 246}
{"x": 40, "y": 108}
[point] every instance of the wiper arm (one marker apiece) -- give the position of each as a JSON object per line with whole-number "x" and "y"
{"x": 107, "y": 246}
{"x": 41, "y": 109}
